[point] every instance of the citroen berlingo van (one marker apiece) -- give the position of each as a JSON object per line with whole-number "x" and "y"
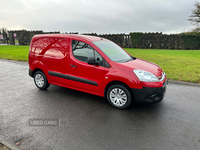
{"x": 97, "y": 66}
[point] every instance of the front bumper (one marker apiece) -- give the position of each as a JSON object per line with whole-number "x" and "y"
{"x": 149, "y": 94}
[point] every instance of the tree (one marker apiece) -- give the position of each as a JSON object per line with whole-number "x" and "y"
{"x": 4, "y": 32}
{"x": 195, "y": 17}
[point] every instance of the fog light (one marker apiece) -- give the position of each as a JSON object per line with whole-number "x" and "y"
{"x": 155, "y": 97}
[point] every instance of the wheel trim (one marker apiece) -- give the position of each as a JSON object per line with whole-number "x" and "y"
{"x": 118, "y": 97}
{"x": 39, "y": 80}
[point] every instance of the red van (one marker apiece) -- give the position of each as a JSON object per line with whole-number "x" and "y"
{"x": 97, "y": 66}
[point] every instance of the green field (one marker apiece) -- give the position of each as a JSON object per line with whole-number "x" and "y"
{"x": 181, "y": 65}
{"x": 14, "y": 52}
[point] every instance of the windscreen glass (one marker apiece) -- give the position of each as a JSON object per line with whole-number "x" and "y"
{"x": 113, "y": 51}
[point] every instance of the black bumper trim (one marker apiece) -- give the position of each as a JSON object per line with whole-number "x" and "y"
{"x": 30, "y": 73}
{"x": 149, "y": 94}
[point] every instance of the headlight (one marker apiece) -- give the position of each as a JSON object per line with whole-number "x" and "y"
{"x": 145, "y": 76}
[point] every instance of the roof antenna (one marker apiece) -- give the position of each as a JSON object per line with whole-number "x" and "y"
{"x": 92, "y": 32}
{"x": 88, "y": 30}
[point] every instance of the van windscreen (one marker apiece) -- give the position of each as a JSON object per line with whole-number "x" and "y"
{"x": 113, "y": 51}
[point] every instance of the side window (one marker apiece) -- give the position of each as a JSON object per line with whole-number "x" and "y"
{"x": 82, "y": 51}
{"x": 98, "y": 58}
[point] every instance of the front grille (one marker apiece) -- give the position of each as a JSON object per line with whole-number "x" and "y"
{"x": 162, "y": 77}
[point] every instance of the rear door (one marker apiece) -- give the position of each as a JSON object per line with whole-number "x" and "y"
{"x": 82, "y": 75}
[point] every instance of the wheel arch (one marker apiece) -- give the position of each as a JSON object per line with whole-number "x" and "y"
{"x": 37, "y": 69}
{"x": 117, "y": 82}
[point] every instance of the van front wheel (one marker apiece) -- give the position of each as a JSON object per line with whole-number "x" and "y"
{"x": 119, "y": 96}
{"x": 41, "y": 80}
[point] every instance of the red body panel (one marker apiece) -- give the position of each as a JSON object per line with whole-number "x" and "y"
{"x": 53, "y": 55}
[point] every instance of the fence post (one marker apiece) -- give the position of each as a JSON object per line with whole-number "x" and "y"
{"x": 11, "y": 38}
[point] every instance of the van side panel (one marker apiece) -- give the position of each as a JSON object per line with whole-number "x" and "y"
{"x": 51, "y": 53}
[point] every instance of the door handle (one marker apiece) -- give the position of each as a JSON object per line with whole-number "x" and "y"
{"x": 74, "y": 66}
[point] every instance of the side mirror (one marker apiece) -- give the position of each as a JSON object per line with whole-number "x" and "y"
{"x": 91, "y": 61}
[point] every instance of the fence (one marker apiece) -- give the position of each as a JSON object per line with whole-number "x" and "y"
{"x": 24, "y": 37}
{"x": 147, "y": 41}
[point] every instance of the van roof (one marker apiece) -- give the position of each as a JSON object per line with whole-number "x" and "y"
{"x": 84, "y": 37}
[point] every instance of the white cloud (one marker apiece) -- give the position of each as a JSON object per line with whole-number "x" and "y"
{"x": 100, "y": 16}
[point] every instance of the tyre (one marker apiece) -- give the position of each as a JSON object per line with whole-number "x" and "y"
{"x": 41, "y": 80}
{"x": 119, "y": 96}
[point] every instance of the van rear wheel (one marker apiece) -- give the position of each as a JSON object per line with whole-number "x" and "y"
{"x": 41, "y": 80}
{"x": 119, "y": 96}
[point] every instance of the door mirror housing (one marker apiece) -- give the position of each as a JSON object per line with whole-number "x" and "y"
{"x": 92, "y": 61}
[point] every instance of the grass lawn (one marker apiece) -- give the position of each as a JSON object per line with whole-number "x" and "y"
{"x": 14, "y": 52}
{"x": 181, "y": 65}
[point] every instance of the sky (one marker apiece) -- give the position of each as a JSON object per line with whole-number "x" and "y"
{"x": 97, "y": 16}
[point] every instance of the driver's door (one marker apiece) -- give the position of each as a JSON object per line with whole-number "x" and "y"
{"x": 82, "y": 75}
